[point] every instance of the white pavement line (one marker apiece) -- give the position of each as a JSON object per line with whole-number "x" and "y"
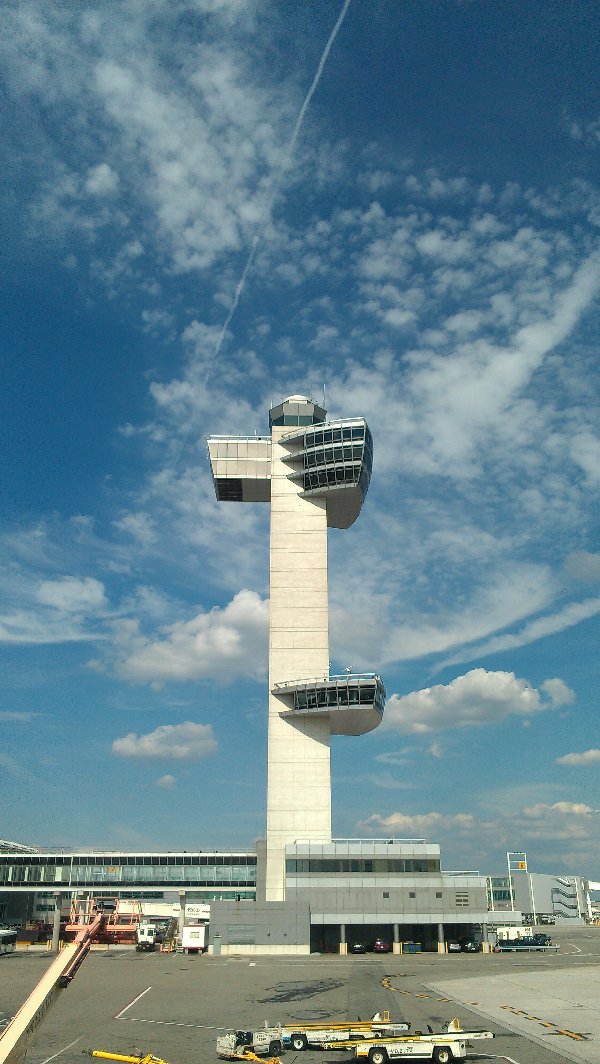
{"x": 501, "y": 1056}
{"x": 121, "y": 1013}
{"x": 175, "y": 1023}
{"x": 62, "y": 1050}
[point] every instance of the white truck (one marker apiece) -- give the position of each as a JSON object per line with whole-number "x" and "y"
{"x": 299, "y": 1036}
{"x": 239, "y": 1045}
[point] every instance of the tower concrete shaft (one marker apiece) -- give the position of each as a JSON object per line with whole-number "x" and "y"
{"x": 315, "y": 474}
{"x": 299, "y": 779}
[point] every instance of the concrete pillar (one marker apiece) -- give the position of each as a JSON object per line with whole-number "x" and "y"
{"x": 343, "y": 943}
{"x": 181, "y": 919}
{"x": 56, "y": 923}
{"x": 396, "y": 945}
{"x": 441, "y": 940}
{"x": 299, "y": 780}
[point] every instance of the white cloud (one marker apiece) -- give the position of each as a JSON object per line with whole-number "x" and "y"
{"x": 101, "y": 180}
{"x": 588, "y": 757}
{"x": 558, "y": 692}
{"x": 70, "y": 594}
{"x": 138, "y": 525}
{"x": 420, "y": 824}
{"x": 542, "y": 810}
{"x": 177, "y": 742}
{"x": 552, "y": 623}
{"x": 167, "y": 782}
{"x": 222, "y": 644}
{"x": 479, "y": 697}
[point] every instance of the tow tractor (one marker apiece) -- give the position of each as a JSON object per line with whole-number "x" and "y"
{"x": 441, "y": 1047}
{"x": 299, "y": 1036}
{"x": 251, "y": 1045}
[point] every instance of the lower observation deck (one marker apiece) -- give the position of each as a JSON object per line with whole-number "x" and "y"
{"x": 353, "y": 702}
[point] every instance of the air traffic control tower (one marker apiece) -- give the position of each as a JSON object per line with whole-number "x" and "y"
{"x": 315, "y": 474}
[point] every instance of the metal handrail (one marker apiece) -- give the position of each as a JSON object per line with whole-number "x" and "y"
{"x": 318, "y": 425}
{"x": 318, "y": 680}
{"x": 243, "y": 439}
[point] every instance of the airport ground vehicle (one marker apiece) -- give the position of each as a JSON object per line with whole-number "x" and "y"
{"x": 513, "y": 932}
{"x": 315, "y": 1035}
{"x": 147, "y": 936}
{"x": 438, "y": 1053}
{"x": 236, "y": 1045}
{"x": 194, "y": 938}
{"x": 440, "y": 1046}
{"x": 523, "y": 945}
{"x": 8, "y": 939}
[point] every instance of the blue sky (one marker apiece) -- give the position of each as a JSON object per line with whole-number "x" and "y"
{"x": 405, "y": 211}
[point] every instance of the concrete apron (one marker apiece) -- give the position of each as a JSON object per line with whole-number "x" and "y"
{"x": 559, "y": 1010}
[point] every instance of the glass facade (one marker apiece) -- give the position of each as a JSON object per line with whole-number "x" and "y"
{"x": 336, "y": 454}
{"x": 341, "y": 691}
{"x": 128, "y": 870}
{"x": 377, "y": 866}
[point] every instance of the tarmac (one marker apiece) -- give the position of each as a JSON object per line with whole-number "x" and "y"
{"x": 542, "y": 1008}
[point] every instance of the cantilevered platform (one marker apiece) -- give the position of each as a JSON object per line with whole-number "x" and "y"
{"x": 332, "y": 460}
{"x": 353, "y": 702}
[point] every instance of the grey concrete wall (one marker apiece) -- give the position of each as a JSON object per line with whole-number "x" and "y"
{"x": 392, "y": 904}
{"x": 247, "y": 923}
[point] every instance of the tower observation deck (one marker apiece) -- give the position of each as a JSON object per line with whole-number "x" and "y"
{"x": 315, "y": 474}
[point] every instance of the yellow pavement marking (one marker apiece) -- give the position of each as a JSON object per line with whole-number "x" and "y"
{"x": 545, "y": 1023}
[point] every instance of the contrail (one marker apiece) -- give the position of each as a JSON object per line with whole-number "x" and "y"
{"x": 282, "y": 169}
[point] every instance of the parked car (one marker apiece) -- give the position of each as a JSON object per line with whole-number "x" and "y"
{"x": 381, "y": 945}
{"x": 357, "y": 947}
{"x": 453, "y": 946}
{"x": 470, "y": 945}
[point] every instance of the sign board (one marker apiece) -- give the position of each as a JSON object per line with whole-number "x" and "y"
{"x": 197, "y": 911}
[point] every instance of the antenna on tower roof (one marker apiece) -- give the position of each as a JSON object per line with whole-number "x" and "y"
{"x": 324, "y": 407}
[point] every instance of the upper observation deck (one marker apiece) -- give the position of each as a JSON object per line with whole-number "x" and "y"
{"x": 241, "y": 467}
{"x": 333, "y": 460}
{"x": 327, "y": 459}
{"x": 353, "y": 702}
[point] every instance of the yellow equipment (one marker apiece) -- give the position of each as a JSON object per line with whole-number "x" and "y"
{"x": 144, "y": 1058}
{"x": 148, "y": 1058}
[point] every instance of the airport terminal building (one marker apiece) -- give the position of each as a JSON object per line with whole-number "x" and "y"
{"x": 337, "y": 893}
